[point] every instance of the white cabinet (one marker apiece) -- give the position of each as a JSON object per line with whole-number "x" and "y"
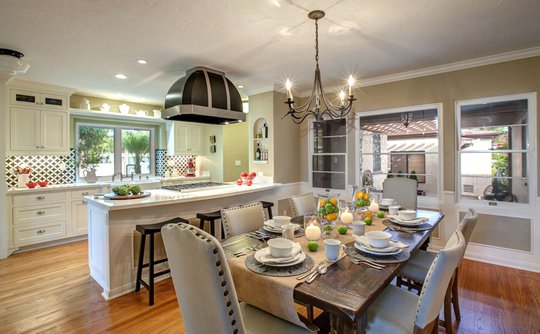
{"x": 35, "y": 131}
{"x": 28, "y": 98}
{"x": 184, "y": 138}
{"x": 79, "y": 211}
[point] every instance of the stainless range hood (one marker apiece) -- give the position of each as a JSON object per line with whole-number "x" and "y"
{"x": 204, "y": 95}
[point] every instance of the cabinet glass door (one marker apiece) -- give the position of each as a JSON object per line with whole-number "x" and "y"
{"x": 329, "y": 159}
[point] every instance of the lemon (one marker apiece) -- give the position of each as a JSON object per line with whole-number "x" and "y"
{"x": 312, "y": 246}
{"x": 333, "y": 201}
{"x": 342, "y": 229}
{"x": 331, "y": 216}
{"x": 368, "y": 221}
{"x": 322, "y": 202}
{"x": 359, "y": 195}
{"x": 366, "y": 196}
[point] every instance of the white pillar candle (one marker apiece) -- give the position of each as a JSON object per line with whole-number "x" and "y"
{"x": 373, "y": 207}
{"x": 346, "y": 217}
{"x": 313, "y": 232}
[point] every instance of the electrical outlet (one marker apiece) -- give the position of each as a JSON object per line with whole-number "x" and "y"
{"x": 237, "y": 163}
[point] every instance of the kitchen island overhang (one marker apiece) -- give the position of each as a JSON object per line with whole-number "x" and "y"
{"x": 113, "y": 240}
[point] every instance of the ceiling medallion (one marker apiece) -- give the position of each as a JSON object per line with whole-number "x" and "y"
{"x": 329, "y": 110}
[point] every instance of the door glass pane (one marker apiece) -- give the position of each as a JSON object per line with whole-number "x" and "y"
{"x": 96, "y": 150}
{"x": 135, "y": 151}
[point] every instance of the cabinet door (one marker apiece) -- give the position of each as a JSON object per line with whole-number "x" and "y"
{"x": 25, "y": 98}
{"x": 181, "y": 138}
{"x": 195, "y": 140}
{"x": 25, "y": 129}
{"x": 54, "y": 129}
{"x": 53, "y": 101}
{"x": 79, "y": 217}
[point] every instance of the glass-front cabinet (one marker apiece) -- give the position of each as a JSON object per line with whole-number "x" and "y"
{"x": 329, "y": 158}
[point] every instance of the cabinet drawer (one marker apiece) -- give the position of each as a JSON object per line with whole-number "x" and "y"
{"x": 33, "y": 234}
{"x": 39, "y": 213}
{"x": 79, "y": 194}
{"x": 37, "y": 199}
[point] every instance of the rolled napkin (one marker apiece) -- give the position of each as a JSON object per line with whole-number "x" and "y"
{"x": 362, "y": 240}
{"x": 265, "y": 256}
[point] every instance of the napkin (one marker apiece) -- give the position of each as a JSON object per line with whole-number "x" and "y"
{"x": 362, "y": 240}
{"x": 265, "y": 256}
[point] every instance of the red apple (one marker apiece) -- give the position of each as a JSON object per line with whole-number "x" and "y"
{"x": 252, "y": 175}
{"x": 239, "y": 182}
{"x": 244, "y": 174}
{"x": 249, "y": 182}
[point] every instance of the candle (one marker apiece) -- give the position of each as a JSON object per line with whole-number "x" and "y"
{"x": 313, "y": 232}
{"x": 288, "y": 85}
{"x": 346, "y": 217}
{"x": 342, "y": 96}
{"x": 373, "y": 207}
{"x": 351, "y": 83}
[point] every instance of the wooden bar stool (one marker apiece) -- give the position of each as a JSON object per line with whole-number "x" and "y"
{"x": 211, "y": 217}
{"x": 151, "y": 230}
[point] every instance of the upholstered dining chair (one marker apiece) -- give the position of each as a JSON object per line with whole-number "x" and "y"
{"x": 242, "y": 219}
{"x": 400, "y": 311}
{"x": 302, "y": 204}
{"x": 402, "y": 190}
{"x": 414, "y": 273}
{"x": 205, "y": 290}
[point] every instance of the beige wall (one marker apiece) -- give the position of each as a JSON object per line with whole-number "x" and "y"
{"x": 513, "y": 77}
{"x": 261, "y": 106}
{"x": 235, "y": 143}
{"x": 286, "y": 143}
{"x": 213, "y": 162}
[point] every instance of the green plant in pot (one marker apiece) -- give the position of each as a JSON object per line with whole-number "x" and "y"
{"x": 90, "y": 151}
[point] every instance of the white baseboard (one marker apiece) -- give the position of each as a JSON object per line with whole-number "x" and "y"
{"x": 48, "y": 244}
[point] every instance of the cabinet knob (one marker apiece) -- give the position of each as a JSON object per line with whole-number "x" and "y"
{"x": 40, "y": 212}
{"x": 42, "y": 146}
{"x": 39, "y": 198}
{"x": 86, "y": 193}
{"x": 37, "y": 146}
{"x": 84, "y": 201}
{"x": 40, "y": 231}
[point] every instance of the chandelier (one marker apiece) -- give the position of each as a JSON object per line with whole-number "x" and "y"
{"x": 406, "y": 118}
{"x": 314, "y": 104}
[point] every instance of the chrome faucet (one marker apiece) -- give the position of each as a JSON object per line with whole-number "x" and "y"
{"x": 117, "y": 173}
{"x": 127, "y": 174}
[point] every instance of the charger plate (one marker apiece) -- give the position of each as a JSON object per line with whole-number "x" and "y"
{"x": 355, "y": 253}
{"x": 297, "y": 269}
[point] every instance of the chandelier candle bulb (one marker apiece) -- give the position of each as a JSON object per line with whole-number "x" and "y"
{"x": 288, "y": 85}
{"x": 351, "y": 83}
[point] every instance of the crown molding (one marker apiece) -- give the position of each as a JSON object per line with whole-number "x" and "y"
{"x": 450, "y": 67}
{"x": 260, "y": 90}
{"x": 16, "y": 83}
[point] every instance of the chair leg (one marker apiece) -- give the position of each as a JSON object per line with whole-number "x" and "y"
{"x": 448, "y": 309}
{"x": 140, "y": 262}
{"x": 455, "y": 295}
{"x": 151, "y": 272}
{"x": 213, "y": 228}
{"x": 399, "y": 280}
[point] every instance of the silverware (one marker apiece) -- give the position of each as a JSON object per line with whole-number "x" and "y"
{"x": 358, "y": 259}
{"x": 310, "y": 272}
{"x": 369, "y": 264}
{"x": 321, "y": 270}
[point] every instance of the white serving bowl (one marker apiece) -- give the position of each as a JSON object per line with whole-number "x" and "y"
{"x": 387, "y": 201}
{"x": 407, "y": 214}
{"x": 378, "y": 239}
{"x": 280, "y": 247}
{"x": 281, "y": 220}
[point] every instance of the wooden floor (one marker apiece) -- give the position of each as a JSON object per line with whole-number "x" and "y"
{"x": 50, "y": 291}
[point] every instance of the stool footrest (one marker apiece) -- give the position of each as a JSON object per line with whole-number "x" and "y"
{"x": 145, "y": 265}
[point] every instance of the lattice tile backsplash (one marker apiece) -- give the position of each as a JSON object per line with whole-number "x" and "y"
{"x": 179, "y": 163}
{"x": 57, "y": 169}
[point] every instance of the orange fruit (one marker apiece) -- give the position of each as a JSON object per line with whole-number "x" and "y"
{"x": 322, "y": 202}
{"x": 366, "y": 196}
{"x": 359, "y": 195}
{"x": 331, "y": 216}
{"x": 333, "y": 201}
{"x": 367, "y": 214}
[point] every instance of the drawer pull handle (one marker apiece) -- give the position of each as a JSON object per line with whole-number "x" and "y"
{"x": 39, "y": 198}
{"x": 40, "y": 212}
{"x": 40, "y": 231}
{"x": 85, "y": 193}
{"x": 84, "y": 201}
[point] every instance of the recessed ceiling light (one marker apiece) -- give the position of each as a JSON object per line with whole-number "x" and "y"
{"x": 141, "y": 61}
{"x": 120, "y": 76}
{"x": 240, "y": 86}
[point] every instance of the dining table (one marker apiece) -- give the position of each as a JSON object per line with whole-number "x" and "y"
{"x": 344, "y": 293}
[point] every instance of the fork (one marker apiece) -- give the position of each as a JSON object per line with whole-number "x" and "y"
{"x": 357, "y": 259}
{"x": 369, "y": 264}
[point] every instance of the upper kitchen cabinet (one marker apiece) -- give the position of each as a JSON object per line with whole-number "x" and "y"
{"x": 38, "y": 119}
{"x": 184, "y": 138}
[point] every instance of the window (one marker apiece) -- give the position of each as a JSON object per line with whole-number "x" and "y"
{"x": 329, "y": 158}
{"x": 493, "y": 149}
{"x": 401, "y": 142}
{"x": 113, "y": 149}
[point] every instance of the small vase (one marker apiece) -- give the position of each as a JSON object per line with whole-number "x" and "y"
{"x": 22, "y": 180}
{"x": 90, "y": 176}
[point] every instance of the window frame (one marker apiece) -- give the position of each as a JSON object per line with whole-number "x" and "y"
{"x": 530, "y": 151}
{"x": 423, "y": 201}
{"x": 118, "y": 145}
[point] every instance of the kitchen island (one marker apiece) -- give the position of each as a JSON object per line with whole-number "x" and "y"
{"x": 113, "y": 241}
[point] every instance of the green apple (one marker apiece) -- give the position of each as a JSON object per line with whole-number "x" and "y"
{"x": 380, "y": 214}
{"x": 342, "y": 230}
{"x": 368, "y": 221}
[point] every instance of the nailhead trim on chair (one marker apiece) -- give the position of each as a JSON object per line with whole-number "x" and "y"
{"x": 215, "y": 251}
{"x": 225, "y": 221}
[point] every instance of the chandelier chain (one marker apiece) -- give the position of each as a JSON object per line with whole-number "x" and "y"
{"x": 317, "y": 42}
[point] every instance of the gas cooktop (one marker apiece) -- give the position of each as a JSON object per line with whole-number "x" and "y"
{"x": 196, "y": 186}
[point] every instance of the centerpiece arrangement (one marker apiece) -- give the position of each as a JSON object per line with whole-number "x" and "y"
{"x": 328, "y": 211}
{"x": 127, "y": 191}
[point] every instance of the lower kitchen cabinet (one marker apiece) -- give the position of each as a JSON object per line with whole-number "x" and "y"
{"x": 79, "y": 217}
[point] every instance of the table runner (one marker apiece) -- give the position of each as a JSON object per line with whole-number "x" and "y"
{"x": 275, "y": 295}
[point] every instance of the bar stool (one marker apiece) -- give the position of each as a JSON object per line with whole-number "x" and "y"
{"x": 211, "y": 217}
{"x": 151, "y": 230}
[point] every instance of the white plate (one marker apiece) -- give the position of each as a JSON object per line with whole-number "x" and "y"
{"x": 364, "y": 242}
{"x": 371, "y": 250}
{"x": 270, "y": 226}
{"x": 413, "y": 222}
{"x": 296, "y": 260}
{"x": 386, "y": 207}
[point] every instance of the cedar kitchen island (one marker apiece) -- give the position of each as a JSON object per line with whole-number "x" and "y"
{"x": 113, "y": 240}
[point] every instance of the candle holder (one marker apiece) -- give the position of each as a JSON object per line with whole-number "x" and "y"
{"x": 346, "y": 213}
{"x": 312, "y": 227}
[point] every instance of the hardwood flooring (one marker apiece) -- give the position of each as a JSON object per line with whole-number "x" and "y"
{"x": 50, "y": 291}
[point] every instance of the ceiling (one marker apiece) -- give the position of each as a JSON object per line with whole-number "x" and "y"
{"x": 83, "y": 43}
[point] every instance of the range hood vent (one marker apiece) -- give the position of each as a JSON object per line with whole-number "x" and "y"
{"x": 204, "y": 95}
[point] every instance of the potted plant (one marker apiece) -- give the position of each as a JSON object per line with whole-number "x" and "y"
{"x": 90, "y": 151}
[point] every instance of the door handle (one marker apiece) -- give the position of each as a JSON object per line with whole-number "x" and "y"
{"x": 40, "y": 213}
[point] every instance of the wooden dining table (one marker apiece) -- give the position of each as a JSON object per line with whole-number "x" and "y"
{"x": 347, "y": 290}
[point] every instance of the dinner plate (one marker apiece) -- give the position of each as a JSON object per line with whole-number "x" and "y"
{"x": 362, "y": 248}
{"x": 363, "y": 241}
{"x": 413, "y": 222}
{"x": 270, "y": 226}
{"x": 296, "y": 260}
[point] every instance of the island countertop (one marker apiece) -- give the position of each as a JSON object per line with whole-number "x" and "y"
{"x": 164, "y": 196}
